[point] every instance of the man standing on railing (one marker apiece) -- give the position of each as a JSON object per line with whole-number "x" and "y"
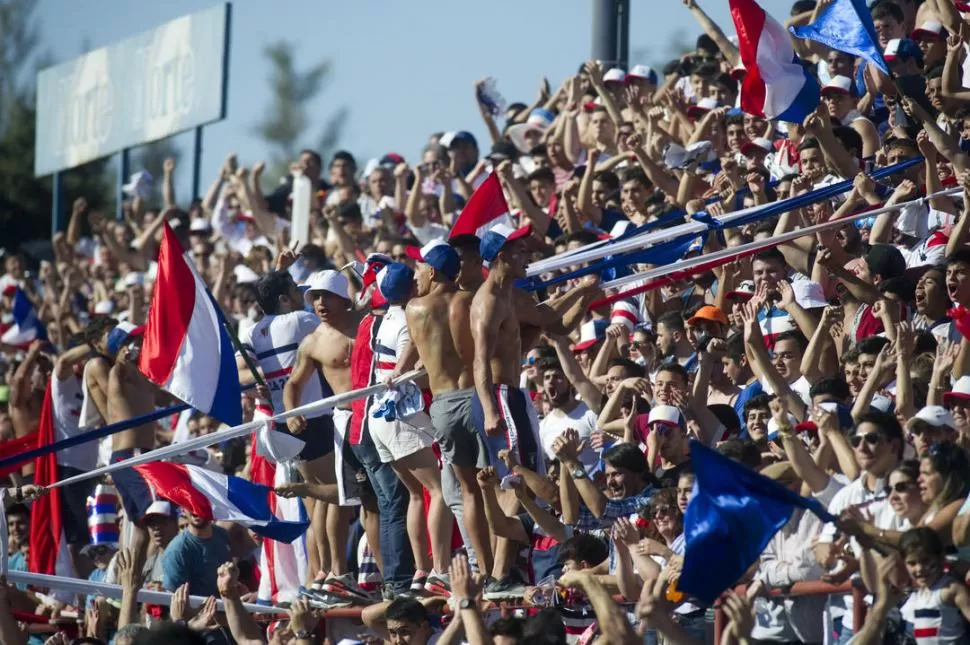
{"x": 326, "y": 354}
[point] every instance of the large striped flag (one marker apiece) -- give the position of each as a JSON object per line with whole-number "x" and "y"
{"x": 49, "y": 553}
{"x": 485, "y": 205}
{"x": 187, "y": 350}
{"x": 776, "y": 86}
{"x": 282, "y": 567}
{"x": 216, "y": 496}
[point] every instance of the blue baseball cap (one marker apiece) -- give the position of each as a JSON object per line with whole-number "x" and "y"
{"x": 497, "y": 237}
{"x": 448, "y": 139}
{"x": 902, "y": 48}
{"x": 395, "y": 282}
{"x": 439, "y": 255}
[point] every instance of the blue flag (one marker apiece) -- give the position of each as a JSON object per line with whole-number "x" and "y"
{"x": 846, "y": 25}
{"x": 730, "y": 519}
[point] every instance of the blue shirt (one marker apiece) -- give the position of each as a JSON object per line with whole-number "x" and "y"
{"x": 18, "y": 562}
{"x": 750, "y": 391}
{"x": 615, "y": 508}
{"x": 191, "y": 559}
{"x": 96, "y": 575}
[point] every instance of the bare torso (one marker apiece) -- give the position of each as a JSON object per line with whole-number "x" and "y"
{"x": 130, "y": 395}
{"x": 430, "y": 327}
{"x": 492, "y": 309}
{"x": 25, "y": 419}
{"x": 461, "y": 331}
{"x": 330, "y": 349}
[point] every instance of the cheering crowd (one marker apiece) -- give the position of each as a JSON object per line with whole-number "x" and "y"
{"x": 542, "y": 456}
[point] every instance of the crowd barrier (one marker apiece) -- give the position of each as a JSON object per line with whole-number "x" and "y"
{"x": 807, "y": 588}
{"x": 205, "y": 441}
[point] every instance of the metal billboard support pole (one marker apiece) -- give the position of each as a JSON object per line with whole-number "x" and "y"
{"x": 611, "y": 32}
{"x": 57, "y": 210}
{"x": 123, "y": 167}
{"x": 197, "y": 163}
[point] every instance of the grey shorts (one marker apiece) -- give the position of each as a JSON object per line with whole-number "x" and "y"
{"x": 459, "y": 440}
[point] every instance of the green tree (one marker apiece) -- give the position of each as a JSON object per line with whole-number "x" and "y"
{"x": 286, "y": 121}
{"x": 25, "y": 200}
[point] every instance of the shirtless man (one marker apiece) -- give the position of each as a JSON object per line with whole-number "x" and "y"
{"x": 504, "y": 414}
{"x": 129, "y": 395}
{"x": 327, "y": 351}
{"x": 500, "y": 316}
{"x": 433, "y": 317}
{"x": 27, "y": 396}
{"x": 405, "y": 444}
{"x": 274, "y": 342}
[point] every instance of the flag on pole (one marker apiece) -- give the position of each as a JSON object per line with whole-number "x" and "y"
{"x": 187, "y": 350}
{"x": 846, "y": 26}
{"x": 27, "y": 326}
{"x": 215, "y": 496}
{"x": 776, "y": 85}
{"x": 282, "y": 566}
{"x": 48, "y": 547}
{"x": 485, "y": 205}
{"x": 733, "y": 514}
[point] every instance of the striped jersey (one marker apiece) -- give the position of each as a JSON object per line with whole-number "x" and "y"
{"x": 273, "y": 342}
{"x": 932, "y": 621}
{"x": 774, "y": 322}
{"x": 391, "y": 339}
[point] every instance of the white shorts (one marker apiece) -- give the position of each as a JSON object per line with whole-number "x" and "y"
{"x": 397, "y": 439}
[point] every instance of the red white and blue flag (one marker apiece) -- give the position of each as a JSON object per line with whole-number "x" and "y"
{"x": 776, "y": 85}
{"x": 216, "y": 496}
{"x": 26, "y": 326}
{"x": 187, "y": 350}
{"x": 486, "y": 205}
{"x": 283, "y": 566}
{"x": 48, "y": 547}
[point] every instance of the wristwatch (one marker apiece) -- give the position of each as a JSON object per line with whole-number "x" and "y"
{"x": 302, "y": 634}
{"x": 578, "y": 473}
{"x": 466, "y": 603}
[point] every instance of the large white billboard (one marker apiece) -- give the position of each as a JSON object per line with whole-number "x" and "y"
{"x": 150, "y": 86}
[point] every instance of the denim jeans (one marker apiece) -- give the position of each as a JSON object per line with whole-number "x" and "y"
{"x": 392, "y": 505}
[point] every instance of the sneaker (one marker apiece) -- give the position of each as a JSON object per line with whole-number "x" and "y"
{"x": 419, "y": 581}
{"x": 508, "y": 588}
{"x": 438, "y": 584}
{"x": 346, "y": 587}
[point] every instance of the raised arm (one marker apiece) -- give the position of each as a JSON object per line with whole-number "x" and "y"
{"x": 730, "y": 51}
{"x": 588, "y": 392}
{"x": 168, "y": 183}
{"x": 567, "y": 448}
{"x": 761, "y": 363}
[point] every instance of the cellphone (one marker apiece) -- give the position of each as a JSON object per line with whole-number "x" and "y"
{"x": 829, "y": 406}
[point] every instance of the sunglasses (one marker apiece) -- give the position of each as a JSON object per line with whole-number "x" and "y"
{"x": 871, "y": 438}
{"x": 902, "y": 487}
{"x": 662, "y": 509}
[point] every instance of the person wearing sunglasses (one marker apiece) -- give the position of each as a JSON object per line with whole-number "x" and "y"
{"x": 904, "y": 496}
{"x": 877, "y": 445}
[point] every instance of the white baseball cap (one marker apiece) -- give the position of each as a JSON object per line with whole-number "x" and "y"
{"x": 934, "y": 415}
{"x": 328, "y": 280}
{"x": 809, "y": 294}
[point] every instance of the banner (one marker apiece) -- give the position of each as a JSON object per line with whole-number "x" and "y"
{"x": 148, "y": 87}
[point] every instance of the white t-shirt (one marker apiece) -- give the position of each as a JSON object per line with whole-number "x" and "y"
{"x": 581, "y": 419}
{"x": 67, "y": 399}
{"x": 273, "y": 340}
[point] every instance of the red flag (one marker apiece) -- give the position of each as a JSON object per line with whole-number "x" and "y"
{"x": 14, "y": 447}
{"x": 48, "y": 548}
{"x": 486, "y": 204}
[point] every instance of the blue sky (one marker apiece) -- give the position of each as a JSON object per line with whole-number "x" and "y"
{"x": 404, "y": 69}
